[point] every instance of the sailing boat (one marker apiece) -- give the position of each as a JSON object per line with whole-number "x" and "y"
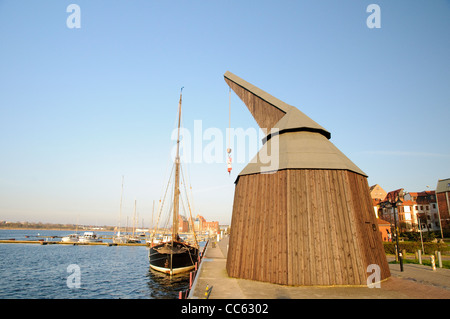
{"x": 72, "y": 238}
{"x": 119, "y": 239}
{"x": 133, "y": 238}
{"x": 124, "y": 239}
{"x": 174, "y": 256}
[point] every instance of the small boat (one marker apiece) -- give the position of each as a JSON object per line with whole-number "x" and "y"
{"x": 89, "y": 237}
{"x": 72, "y": 238}
{"x": 134, "y": 240}
{"x": 156, "y": 240}
{"x": 124, "y": 239}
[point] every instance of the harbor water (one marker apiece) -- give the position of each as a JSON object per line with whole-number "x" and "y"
{"x": 30, "y": 271}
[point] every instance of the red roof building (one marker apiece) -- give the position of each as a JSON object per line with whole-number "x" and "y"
{"x": 385, "y": 230}
{"x": 425, "y": 209}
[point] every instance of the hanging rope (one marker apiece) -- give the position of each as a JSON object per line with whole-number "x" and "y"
{"x": 189, "y": 207}
{"x": 229, "y": 160}
{"x": 161, "y": 206}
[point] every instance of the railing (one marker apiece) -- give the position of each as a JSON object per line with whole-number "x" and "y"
{"x": 193, "y": 274}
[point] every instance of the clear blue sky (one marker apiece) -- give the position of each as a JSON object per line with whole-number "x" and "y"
{"x": 79, "y": 108}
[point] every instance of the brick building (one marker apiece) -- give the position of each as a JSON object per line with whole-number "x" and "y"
{"x": 183, "y": 224}
{"x": 212, "y": 227}
{"x": 377, "y": 193}
{"x": 200, "y": 225}
{"x": 443, "y": 202}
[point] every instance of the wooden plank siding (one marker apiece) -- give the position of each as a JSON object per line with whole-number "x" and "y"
{"x": 265, "y": 114}
{"x": 304, "y": 227}
{"x": 368, "y": 225}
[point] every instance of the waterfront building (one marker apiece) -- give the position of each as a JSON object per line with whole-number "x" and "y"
{"x": 198, "y": 223}
{"x": 211, "y": 227}
{"x": 183, "y": 224}
{"x": 201, "y": 225}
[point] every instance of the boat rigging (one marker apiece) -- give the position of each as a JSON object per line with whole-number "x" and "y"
{"x": 229, "y": 160}
{"x": 173, "y": 256}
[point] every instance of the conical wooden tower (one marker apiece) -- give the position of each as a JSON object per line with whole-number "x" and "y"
{"x": 302, "y": 212}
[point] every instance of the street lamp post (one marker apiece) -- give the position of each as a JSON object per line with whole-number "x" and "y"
{"x": 394, "y": 205}
{"x": 420, "y": 230}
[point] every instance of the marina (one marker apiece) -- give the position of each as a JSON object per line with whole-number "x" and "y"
{"x": 103, "y": 241}
{"x": 31, "y": 270}
{"x": 44, "y": 242}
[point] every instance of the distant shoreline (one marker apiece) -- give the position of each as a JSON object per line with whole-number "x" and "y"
{"x": 61, "y": 229}
{"x": 56, "y": 228}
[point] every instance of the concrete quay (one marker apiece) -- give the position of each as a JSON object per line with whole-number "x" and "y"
{"x": 415, "y": 282}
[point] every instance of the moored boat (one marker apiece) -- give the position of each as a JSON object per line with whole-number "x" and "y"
{"x": 174, "y": 256}
{"x": 72, "y": 238}
{"x": 124, "y": 239}
{"x": 89, "y": 237}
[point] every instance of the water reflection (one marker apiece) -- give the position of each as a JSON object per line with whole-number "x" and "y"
{"x": 118, "y": 272}
{"x": 163, "y": 286}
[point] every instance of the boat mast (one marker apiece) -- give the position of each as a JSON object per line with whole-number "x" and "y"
{"x": 176, "y": 193}
{"x": 153, "y": 211}
{"x": 134, "y": 218}
{"x": 120, "y": 211}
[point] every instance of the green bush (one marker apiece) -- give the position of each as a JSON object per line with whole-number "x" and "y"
{"x": 426, "y": 262}
{"x": 426, "y": 236}
{"x": 413, "y": 246}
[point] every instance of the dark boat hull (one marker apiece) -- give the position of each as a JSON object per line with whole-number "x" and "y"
{"x": 173, "y": 257}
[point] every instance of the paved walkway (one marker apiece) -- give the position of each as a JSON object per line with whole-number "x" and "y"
{"x": 415, "y": 282}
